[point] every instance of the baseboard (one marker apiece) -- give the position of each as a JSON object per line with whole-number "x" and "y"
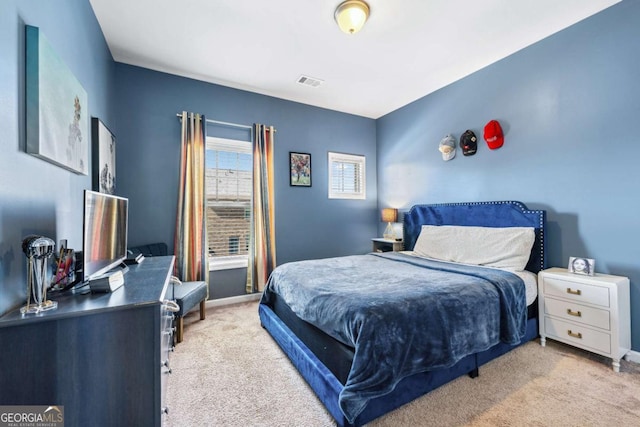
{"x": 233, "y": 300}
{"x": 632, "y": 356}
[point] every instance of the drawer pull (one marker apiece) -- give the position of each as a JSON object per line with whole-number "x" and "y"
{"x": 572, "y": 292}
{"x": 574, "y": 313}
{"x": 170, "y": 305}
{"x": 573, "y": 334}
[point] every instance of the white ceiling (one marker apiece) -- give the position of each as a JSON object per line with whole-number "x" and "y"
{"x": 406, "y": 50}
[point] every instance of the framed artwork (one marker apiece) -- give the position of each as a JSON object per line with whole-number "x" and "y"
{"x": 58, "y": 123}
{"x": 103, "y": 162}
{"x": 584, "y": 266}
{"x": 300, "y": 169}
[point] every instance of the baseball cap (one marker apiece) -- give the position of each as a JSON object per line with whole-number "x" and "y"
{"x": 447, "y": 147}
{"x": 469, "y": 143}
{"x": 493, "y": 135}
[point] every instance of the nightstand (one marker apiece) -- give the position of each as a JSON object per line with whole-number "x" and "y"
{"x": 386, "y": 245}
{"x": 589, "y": 312}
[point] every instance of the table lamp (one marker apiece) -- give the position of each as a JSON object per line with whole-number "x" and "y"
{"x": 389, "y": 215}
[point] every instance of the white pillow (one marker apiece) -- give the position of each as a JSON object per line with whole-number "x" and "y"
{"x": 508, "y": 247}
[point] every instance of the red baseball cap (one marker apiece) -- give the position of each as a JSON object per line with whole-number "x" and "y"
{"x": 493, "y": 135}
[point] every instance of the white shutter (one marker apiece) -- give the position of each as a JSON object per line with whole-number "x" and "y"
{"x": 346, "y": 176}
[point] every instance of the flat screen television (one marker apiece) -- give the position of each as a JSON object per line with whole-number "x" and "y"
{"x": 104, "y": 236}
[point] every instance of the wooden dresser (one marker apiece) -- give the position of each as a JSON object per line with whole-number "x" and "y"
{"x": 104, "y": 357}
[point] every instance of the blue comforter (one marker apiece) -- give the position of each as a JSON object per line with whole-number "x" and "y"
{"x": 402, "y": 314}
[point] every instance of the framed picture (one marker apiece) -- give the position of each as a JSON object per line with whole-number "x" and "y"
{"x": 584, "y": 266}
{"x": 57, "y": 118}
{"x": 103, "y": 162}
{"x": 300, "y": 169}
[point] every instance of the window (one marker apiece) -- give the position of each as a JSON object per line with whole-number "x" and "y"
{"x": 346, "y": 176}
{"x": 228, "y": 186}
{"x": 233, "y": 244}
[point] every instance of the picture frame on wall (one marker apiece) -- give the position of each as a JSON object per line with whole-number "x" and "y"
{"x": 579, "y": 265}
{"x": 58, "y": 123}
{"x": 300, "y": 169}
{"x": 103, "y": 164}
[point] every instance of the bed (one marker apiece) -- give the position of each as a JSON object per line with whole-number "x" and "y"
{"x": 372, "y": 332}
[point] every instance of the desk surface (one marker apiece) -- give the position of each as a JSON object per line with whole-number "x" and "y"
{"x": 144, "y": 284}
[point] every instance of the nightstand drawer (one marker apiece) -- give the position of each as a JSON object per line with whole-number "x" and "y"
{"x": 578, "y": 313}
{"x": 576, "y": 291}
{"x": 578, "y": 335}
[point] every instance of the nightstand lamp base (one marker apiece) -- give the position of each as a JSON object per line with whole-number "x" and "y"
{"x": 389, "y": 232}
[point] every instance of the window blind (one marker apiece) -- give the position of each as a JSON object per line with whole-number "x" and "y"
{"x": 228, "y": 186}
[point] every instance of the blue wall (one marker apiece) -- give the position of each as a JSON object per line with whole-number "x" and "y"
{"x": 308, "y": 224}
{"x": 569, "y": 106}
{"x": 37, "y": 197}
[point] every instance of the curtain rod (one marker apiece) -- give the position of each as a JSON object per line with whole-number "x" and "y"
{"x": 224, "y": 123}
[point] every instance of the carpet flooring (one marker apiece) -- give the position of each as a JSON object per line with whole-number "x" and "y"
{"x": 228, "y": 371}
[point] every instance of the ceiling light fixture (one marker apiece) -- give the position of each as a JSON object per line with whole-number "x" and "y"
{"x": 351, "y": 15}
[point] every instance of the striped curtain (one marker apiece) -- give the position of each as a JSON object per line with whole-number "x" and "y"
{"x": 190, "y": 243}
{"x": 262, "y": 253}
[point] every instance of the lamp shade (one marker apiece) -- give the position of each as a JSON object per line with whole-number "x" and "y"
{"x": 389, "y": 215}
{"x": 351, "y": 15}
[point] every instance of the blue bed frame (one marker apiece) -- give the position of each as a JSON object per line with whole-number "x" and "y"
{"x": 485, "y": 214}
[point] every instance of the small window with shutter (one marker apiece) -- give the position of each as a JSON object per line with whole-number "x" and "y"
{"x": 346, "y": 176}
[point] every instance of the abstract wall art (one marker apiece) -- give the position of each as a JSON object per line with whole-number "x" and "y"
{"x": 58, "y": 122}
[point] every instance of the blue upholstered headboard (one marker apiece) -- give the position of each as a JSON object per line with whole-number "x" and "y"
{"x": 480, "y": 214}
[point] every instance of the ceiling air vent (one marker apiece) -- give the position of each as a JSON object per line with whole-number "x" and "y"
{"x": 309, "y": 81}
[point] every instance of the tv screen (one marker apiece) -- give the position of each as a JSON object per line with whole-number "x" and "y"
{"x": 104, "y": 237}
